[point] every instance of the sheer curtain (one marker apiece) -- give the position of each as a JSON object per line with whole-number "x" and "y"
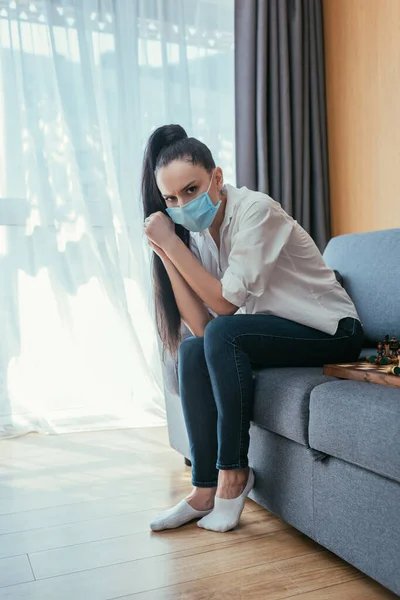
{"x": 82, "y": 85}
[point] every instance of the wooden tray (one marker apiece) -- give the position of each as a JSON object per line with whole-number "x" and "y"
{"x": 363, "y": 371}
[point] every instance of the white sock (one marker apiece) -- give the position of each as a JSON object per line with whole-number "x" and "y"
{"x": 226, "y": 513}
{"x": 176, "y": 516}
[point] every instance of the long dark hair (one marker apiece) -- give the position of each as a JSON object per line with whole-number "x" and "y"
{"x": 166, "y": 144}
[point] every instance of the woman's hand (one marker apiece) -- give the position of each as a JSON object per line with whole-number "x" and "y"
{"x": 159, "y": 229}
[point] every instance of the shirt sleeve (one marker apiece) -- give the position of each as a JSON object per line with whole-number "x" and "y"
{"x": 262, "y": 233}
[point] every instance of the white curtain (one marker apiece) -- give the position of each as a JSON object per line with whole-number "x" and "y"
{"x": 82, "y": 85}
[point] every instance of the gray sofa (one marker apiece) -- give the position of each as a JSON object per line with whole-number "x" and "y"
{"x": 326, "y": 452}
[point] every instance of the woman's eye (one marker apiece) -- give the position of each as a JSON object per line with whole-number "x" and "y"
{"x": 191, "y": 190}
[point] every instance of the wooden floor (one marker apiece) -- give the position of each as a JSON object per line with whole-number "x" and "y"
{"x": 74, "y": 514}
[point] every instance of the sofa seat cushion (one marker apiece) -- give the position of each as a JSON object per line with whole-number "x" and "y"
{"x": 358, "y": 422}
{"x": 281, "y": 400}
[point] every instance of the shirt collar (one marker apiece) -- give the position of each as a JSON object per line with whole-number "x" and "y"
{"x": 234, "y": 196}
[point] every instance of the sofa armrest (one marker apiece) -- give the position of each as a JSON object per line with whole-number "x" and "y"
{"x": 175, "y": 421}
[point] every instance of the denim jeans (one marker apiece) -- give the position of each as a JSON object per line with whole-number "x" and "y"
{"x": 216, "y": 379}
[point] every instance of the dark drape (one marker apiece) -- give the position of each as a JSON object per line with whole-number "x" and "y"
{"x": 281, "y": 138}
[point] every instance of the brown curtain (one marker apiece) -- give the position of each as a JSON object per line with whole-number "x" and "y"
{"x": 281, "y": 138}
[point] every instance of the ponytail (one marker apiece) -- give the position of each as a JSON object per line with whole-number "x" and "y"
{"x": 166, "y": 144}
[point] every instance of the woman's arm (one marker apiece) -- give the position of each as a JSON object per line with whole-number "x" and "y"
{"x": 192, "y": 310}
{"x": 265, "y": 229}
{"x": 207, "y": 287}
{"x": 160, "y": 231}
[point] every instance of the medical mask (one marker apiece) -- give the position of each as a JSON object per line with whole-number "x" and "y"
{"x": 196, "y": 215}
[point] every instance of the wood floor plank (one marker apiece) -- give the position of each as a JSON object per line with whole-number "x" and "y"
{"x": 252, "y": 506}
{"x": 82, "y": 511}
{"x": 56, "y": 536}
{"x": 113, "y": 550}
{"x": 90, "y": 530}
{"x": 263, "y": 582}
{"x": 77, "y": 506}
{"x": 359, "y": 589}
{"x": 15, "y": 570}
{"x": 153, "y": 573}
{"x": 318, "y": 570}
{"x": 29, "y": 488}
{"x": 68, "y": 492}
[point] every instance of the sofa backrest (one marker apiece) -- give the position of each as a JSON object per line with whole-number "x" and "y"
{"x": 370, "y": 266}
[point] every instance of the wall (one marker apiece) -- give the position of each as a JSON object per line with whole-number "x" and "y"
{"x": 362, "y": 46}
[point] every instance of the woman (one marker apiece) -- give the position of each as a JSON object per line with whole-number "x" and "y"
{"x": 253, "y": 289}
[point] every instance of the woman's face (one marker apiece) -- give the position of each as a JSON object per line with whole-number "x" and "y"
{"x": 180, "y": 182}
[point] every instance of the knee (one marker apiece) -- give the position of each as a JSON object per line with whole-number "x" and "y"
{"x": 217, "y": 333}
{"x": 191, "y": 351}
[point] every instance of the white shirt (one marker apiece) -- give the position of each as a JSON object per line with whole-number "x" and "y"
{"x": 268, "y": 264}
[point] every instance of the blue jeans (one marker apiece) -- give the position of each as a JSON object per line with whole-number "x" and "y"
{"x": 216, "y": 379}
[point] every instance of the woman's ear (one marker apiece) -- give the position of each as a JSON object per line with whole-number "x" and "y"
{"x": 219, "y": 178}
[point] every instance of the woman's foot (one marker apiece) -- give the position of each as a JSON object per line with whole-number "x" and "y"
{"x": 233, "y": 488}
{"x": 202, "y": 498}
{"x": 197, "y": 505}
{"x": 232, "y": 483}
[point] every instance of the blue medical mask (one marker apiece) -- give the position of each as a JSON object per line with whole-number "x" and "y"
{"x": 196, "y": 215}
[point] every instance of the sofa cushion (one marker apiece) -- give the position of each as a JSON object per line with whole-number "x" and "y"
{"x": 368, "y": 263}
{"x": 358, "y": 422}
{"x": 281, "y": 400}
